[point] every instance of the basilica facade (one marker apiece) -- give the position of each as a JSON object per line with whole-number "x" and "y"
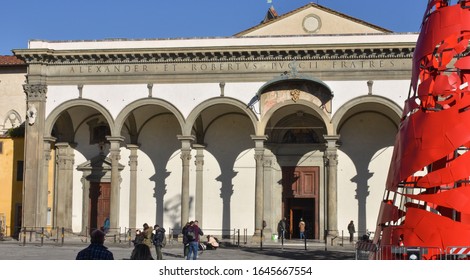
{"x": 295, "y": 118}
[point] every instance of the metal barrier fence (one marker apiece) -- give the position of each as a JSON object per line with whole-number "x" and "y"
{"x": 365, "y": 250}
{"x": 370, "y": 251}
{"x": 458, "y": 253}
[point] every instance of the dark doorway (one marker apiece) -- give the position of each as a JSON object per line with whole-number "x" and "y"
{"x": 100, "y": 194}
{"x": 301, "y": 208}
{"x": 300, "y": 199}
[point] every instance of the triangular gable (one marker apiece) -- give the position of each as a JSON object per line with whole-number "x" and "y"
{"x": 312, "y": 19}
{"x": 100, "y": 162}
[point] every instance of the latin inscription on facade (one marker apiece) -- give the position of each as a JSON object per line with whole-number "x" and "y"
{"x": 230, "y": 67}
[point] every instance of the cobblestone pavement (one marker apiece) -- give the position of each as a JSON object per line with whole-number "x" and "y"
{"x": 11, "y": 250}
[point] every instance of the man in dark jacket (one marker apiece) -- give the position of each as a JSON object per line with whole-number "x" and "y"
{"x": 158, "y": 238}
{"x": 192, "y": 236}
{"x": 96, "y": 250}
{"x": 185, "y": 239}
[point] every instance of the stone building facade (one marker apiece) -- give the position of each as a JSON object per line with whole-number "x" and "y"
{"x": 295, "y": 118}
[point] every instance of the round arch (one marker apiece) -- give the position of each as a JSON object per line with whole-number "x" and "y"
{"x": 121, "y": 118}
{"x": 54, "y": 115}
{"x": 217, "y": 101}
{"x": 318, "y": 112}
{"x": 394, "y": 111}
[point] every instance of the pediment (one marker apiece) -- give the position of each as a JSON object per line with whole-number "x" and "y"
{"x": 311, "y": 19}
{"x": 100, "y": 162}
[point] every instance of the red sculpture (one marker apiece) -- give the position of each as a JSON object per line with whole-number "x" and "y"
{"x": 427, "y": 196}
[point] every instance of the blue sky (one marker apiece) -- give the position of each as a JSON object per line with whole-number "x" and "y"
{"x": 24, "y": 20}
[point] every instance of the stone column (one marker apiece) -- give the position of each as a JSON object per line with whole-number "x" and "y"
{"x": 185, "y": 158}
{"x": 115, "y": 156}
{"x": 259, "y": 188}
{"x": 331, "y": 156}
{"x": 199, "y": 182}
{"x": 133, "y": 185}
{"x": 64, "y": 186}
{"x": 270, "y": 214}
{"x": 33, "y": 183}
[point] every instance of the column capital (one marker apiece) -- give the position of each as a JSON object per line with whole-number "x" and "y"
{"x": 118, "y": 139}
{"x": 50, "y": 139}
{"x": 331, "y": 140}
{"x": 132, "y": 147}
{"x": 35, "y": 92}
{"x": 259, "y": 142}
{"x": 186, "y": 141}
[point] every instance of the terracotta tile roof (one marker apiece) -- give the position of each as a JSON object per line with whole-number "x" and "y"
{"x": 10, "y": 60}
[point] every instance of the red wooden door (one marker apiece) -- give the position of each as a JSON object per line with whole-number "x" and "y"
{"x": 300, "y": 198}
{"x": 100, "y": 194}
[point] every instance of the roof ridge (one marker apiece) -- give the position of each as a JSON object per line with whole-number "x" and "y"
{"x": 311, "y": 4}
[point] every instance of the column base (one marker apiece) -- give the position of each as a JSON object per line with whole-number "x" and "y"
{"x": 257, "y": 238}
{"x": 332, "y": 238}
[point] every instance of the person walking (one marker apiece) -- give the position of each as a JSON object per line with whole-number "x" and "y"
{"x": 96, "y": 250}
{"x": 302, "y": 228}
{"x": 281, "y": 228}
{"x": 351, "y": 230}
{"x": 158, "y": 238}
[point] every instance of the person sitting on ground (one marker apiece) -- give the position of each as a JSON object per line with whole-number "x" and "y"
{"x": 141, "y": 252}
{"x": 212, "y": 243}
{"x": 96, "y": 250}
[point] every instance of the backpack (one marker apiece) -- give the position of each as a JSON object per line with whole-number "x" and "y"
{"x": 164, "y": 240}
{"x": 190, "y": 234}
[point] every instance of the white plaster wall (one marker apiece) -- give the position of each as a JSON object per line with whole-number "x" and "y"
{"x": 223, "y": 42}
{"x": 186, "y": 97}
{"x": 229, "y": 158}
{"x": 364, "y": 133}
{"x": 57, "y": 95}
{"x": 159, "y": 166}
{"x": 114, "y": 97}
{"x": 12, "y": 97}
{"x": 77, "y": 201}
{"x": 395, "y": 90}
{"x": 213, "y": 206}
{"x": 243, "y": 202}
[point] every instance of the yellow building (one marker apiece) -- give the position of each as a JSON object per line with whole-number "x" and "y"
{"x": 12, "y": 116}
{"x": 11, "y": 166}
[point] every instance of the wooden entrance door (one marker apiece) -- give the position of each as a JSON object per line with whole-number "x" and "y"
{"x": 100, "y": 194}
{"x": 300, "y": 199}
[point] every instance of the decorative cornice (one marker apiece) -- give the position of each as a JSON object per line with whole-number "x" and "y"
{"x": 50, "y": 57}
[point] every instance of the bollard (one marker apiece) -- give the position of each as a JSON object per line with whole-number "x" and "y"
{"x": 62, "y": 243}
{"x": 24, "y": 236}
{"x": 282, "y": 239}
{"x": 238, "y": 232}
{"x": 305, "y": 240}
{"x": 42, "y": 236}
{"x": 261, "y": 240}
